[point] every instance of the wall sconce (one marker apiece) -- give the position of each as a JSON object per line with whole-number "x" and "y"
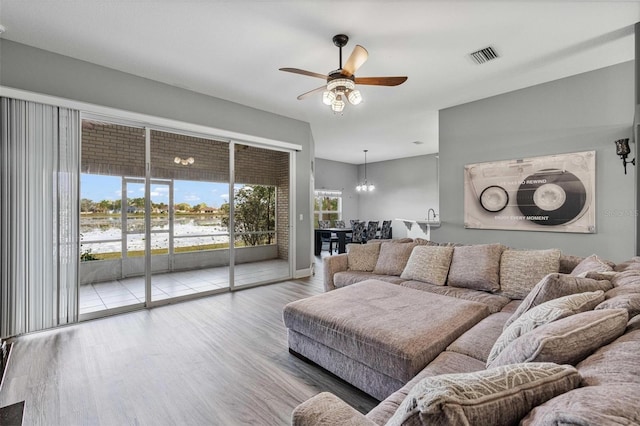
{"x": 623, "y": 150}
{"x": 187, "y": 161}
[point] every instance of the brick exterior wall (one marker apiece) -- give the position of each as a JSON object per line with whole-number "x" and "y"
{"x": 117, "y": 150}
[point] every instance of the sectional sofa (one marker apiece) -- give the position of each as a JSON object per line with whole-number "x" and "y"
{"x": 473, "y": 334}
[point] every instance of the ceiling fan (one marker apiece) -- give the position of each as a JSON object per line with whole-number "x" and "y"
{"x": 341, "y": 83}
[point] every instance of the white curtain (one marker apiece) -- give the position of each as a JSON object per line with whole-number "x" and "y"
{"x": 39, "y": 161}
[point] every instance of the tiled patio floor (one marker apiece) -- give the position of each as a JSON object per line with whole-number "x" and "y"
{"x": 128, "y": 291}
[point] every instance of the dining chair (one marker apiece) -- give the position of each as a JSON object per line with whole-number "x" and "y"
{"x": 385, "y": 230}
{"x": 334, "y": 237}
{"x": 359, "y": 233}
{"x": 372, "y": 230}
{"x": 325, "y": 237}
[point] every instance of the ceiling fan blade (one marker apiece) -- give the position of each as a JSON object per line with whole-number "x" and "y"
{"x": 358, "y": 57}
{"x": 303, "y": 72}
{"x": 381, "y": 81}
{"x": 312, "y": 92}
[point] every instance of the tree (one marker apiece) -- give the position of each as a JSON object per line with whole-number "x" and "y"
{"x": 199, "y": 207}
{"x": 182, "y": 207}
{"x": 255, "y": 213}
{"x": 86, "y": 205}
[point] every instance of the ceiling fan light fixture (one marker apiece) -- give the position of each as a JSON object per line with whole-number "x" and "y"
{"x": 354, "y": 97}
{"x": 341, "y": 84}
{"x": 338, "y": 104}
{"x": 328, "y": 97}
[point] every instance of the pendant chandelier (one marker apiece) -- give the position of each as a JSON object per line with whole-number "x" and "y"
{"x": 365, "y": 186}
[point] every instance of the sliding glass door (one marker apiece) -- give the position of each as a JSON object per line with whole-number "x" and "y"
{"x": 195, "y": 237}
{"x": 160, "y": 222}
{"x": 261, "y": 213}
{"x": 112, "y": 212}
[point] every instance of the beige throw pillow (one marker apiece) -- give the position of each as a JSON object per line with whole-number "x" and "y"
{"x": 498, "y": 396}
{"x": 610, "y": 404}
{"x": 428, "y": 264}
{"x": 476, "y": 267}
{"x": 521, "y": 270}
{"x": 544, "y": 314}
{"x": 362, "y": 257}
{"x": 591, "y": 264}
{"x": 556, "y": 285}
{"x": 566, "y": 341}
{"x": 393, "y": 258}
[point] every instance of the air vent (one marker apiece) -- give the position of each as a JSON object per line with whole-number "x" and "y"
{"x": 484, "y": 55}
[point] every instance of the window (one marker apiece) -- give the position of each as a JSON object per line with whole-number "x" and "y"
{"x": 327, "y": 206}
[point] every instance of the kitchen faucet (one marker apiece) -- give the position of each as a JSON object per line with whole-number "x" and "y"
{"x": 429, "y": 214}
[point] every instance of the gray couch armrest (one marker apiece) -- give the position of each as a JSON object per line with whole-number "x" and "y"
{"x": 333, "y": 264}
{"x": 326, "y": 409}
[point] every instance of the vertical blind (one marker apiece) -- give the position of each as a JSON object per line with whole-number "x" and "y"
{"x": 39, "y": 160}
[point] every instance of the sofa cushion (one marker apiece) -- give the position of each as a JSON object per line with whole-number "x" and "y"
{"x": 592, "y": 264}
{"x": 362, "y": 257}
{"x": 429, "y": 264}
{"x": 553, "y": 286}
{"x": 618, "y": 362}
{"x": 494, "y": 302}
{"x": 477, "y": 342}
{"x": 565, "y": 341}
{"x": 521, "y": 270}
{"x": 503, "y": 395}
{"x": 393, "y": 258}
{"x": 543, "y": 314}
{"x": 612, "y": 404}
{"x": 476, "y": 267}
{"x": 345, "y": 278}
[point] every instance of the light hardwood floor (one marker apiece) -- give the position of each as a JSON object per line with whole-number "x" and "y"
{"x": 220, "y": 360}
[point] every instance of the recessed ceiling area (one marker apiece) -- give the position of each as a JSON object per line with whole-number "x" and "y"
{"x": 233, "y": 50}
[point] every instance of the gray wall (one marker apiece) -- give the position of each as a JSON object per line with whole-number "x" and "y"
{"x": 27, "y": 68}
{"x": 584, "y": 112}
{"x": 405, "y": 188}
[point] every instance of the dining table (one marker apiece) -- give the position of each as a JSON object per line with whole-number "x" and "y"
{"x": 341, "y": 233}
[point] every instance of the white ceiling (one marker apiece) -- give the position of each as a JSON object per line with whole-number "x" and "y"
{"x": 233, "y": 49}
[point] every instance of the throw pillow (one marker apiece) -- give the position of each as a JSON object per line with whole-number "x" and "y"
{"x": 476, "y": 267}
{"x": 429, "y": 264}
{"x": 544, "y": 314}
{"x": 553, "y": 286}
{"x": 520, "y": 270}
{"x": 630, "y": 302}
{"x": 611, "y": 404}
{"x": 498, "y": 396}
{"x": 566, "y": 341}
{"x": 362, "y": 257}
{"x": 393, "y": 258}
{"x": 591, "y": 264}
{"x": 616, "y": 362}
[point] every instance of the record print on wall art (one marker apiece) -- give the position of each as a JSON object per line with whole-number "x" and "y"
{"x": 553, "y": 193}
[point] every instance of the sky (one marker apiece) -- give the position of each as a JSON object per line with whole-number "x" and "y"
{"x": 100, "y": 187}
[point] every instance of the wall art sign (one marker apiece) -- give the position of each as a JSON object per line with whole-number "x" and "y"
{"x": 554, "y": 193}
